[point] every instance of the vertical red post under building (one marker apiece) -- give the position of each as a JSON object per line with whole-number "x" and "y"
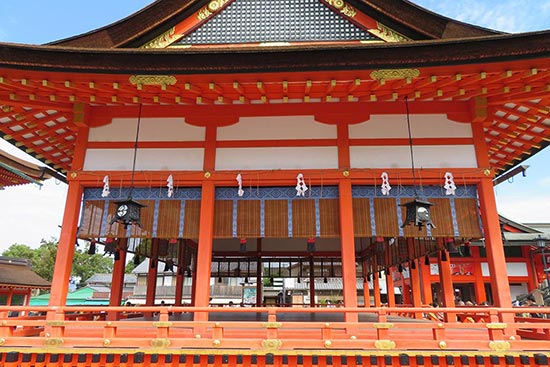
{"x": 348, "y": 247}
{"x": 117, "y": 282}
{"x": 69, "y": 226}
{"x": 204, "y": 254}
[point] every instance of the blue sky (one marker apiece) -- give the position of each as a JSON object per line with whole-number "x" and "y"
{"x": 35, "y": 213}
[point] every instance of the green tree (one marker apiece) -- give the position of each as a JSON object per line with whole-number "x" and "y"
{"x": 43, "y": 260}
{"x": 20, "y": 251}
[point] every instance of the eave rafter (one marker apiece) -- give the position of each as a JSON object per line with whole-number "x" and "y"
{"x": 37, "y": 107}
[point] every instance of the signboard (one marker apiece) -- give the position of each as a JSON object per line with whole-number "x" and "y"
{"x": 456, "y": 269}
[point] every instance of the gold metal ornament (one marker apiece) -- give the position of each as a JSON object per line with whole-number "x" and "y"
{"x": 392, "y": 74}
{"x": 384, "y": 344}
{"x": 499, "y": 346}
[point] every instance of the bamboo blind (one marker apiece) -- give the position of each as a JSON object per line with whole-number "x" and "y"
{"x": 169, "y": 219}
{"x": 192, "y": 213}
{"x": 467, "y": 218}
{"x": 276, "y": 219}
{"x": 361, "y": 217}
{"x": 90, "y": 226}
{"x": 303, "y": 218}
{"x": 329, "y": 212}
{"x": 248, "y": 218}
{"x": 223, "y": 219}
{"x": 385, "y": 216}
{"x": 442, "y": 217}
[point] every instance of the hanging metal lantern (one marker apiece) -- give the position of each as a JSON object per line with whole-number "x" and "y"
{"x": 128, "y": 212}
{"x": 417, "y": 213}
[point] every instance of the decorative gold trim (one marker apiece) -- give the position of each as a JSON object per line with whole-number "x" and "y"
{"x": 212, "y": 7}
{"x": 442, "y": 345}
{"x": 382, "y": 325}
{"x": 384, "y": 344}
{"x": 389, "y": 74}
{"x": 328, "y": 344}
{"x": 106, "y": 342}
{"x": 387, "y": 34}
{"x": 164, "y": 40}
{"x": 53, "y": 342}
{"x": 499, "y": 346}
{"x": 497, "y": 325}
{"x": 343, "y": 7}
{"x": 271, "y": 344}
{"x": 163, "y": 80}
{"x": 162, "y": 323}
{"x": 2, "y": 341}
{"x": 160, "y": 343}
{"x": 55, "y": 323}
{"x": 272, "y": 325}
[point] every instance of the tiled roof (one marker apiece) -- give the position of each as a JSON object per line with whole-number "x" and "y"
{"x": 17, "y": 273}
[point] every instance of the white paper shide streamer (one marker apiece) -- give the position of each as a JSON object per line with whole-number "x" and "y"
{"x": 170, "y": 185}
{"x": 239, "y": 179}
{"x": 450, "y": 186}
{"x": 385, "y": 184}
{"x": 301, "y": 187}
{"x": 106, "y": 189}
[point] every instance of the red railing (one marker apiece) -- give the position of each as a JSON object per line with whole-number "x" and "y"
{"x": 277, "y": 329}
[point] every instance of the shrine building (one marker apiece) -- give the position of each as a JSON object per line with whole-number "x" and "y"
{"x": 245, "y": 140}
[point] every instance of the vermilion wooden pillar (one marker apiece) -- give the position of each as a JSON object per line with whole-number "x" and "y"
{"x": 366, "y": 293}
{"x": 65, "y": 249}
{"x": 179, "y": 276}
{"x": 479, "y": 284}
{"x": 414, "y": 273}
{"x": 117, "y": 279}
{"x": 347, "y": 242}
{"x": 489, "y": 215}
{"x": 446, "y": 282}
{"x": 426, "y": 282}
{"x": 390, "y": 290}
{"x": 415, "y": 288}
{"x": 204, "y": 254}
{"x": 69, "y": 227}
{"x": 493, "y": 244}
{"x": 152, "y": 275}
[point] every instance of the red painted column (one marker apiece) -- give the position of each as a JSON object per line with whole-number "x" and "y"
{"x": 69, "y": 226}
{"x": 65, "y": 249}
{"x": 426, "y": 282}
{"x": 204, "y": 254}
{"x": 117, "y": 279}
{"x": 479, "y": 284}
{"x": 489, "y": 215}
{"x": 414, "y": 276}
{"x": 179, "y": 276}
{"x": 152, "y": 275}
{"x": 347, "y": 242}
{"x": 390, "y": 288}
{"x": 493, "y": 244}
{"x": 446, "y": 282}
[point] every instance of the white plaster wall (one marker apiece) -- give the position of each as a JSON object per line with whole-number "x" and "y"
{"x": 425, "y": 156}
{"x": 513, "y": 269}
{"x": 277, "y": 128}
{"x": 146, "y": 159}
{"x": 151, "y": 129}
{"x": 422, "y": 126}
{"x": 276, "y": 158}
